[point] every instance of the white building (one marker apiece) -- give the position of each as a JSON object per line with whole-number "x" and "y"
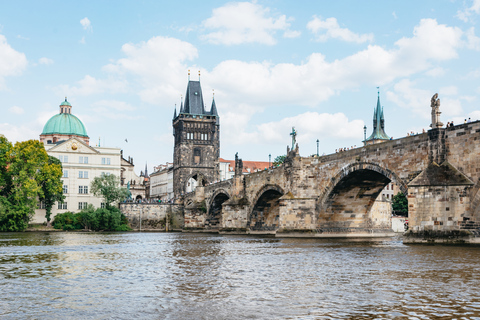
{"x": 161, "y": 182}
{"x": 65, "y": 138}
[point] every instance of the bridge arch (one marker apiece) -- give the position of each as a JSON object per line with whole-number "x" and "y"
{"x": 214, "y": 213}
{"x": 194, "y": 180}
{"x": 265, "y": 209}
{"x": 351, "y": 193}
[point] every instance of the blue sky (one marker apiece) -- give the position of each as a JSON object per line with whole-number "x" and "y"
{"x": 314, "y": 65}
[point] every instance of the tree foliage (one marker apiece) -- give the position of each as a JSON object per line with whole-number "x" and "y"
{"x": 279, "y": 160}
{"x": 52, "y": 185}
{"x": 400, "y": 204}
{"x": 108, "y": 187}
{"x": 92, "y": 219}
{"x": 24, "y": 169}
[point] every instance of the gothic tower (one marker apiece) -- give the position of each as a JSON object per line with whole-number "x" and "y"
{"x": 378, "y": 135}
{"x": 197, "y": 142}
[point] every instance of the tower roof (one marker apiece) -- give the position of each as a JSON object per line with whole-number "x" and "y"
{"x": 378, "y": 123}
{"x": 194, "y": 99}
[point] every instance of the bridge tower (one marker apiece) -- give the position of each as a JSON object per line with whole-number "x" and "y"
{"x": 197, "y": 142}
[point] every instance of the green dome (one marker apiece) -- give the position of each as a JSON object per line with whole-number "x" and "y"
{"x": 65, "y": 103}
{"x": 65, "y": 123}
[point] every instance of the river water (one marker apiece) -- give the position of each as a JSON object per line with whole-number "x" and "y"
{"x": 204, "y": 276}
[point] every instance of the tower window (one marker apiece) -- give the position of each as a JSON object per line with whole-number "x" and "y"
{"x": 196, "y": 156}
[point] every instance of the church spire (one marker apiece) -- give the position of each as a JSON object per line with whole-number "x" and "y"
{"x": 175, "y": 112}
{"x": 378, "y": 134}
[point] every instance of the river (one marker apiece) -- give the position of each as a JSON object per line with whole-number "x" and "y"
{"x": 205, "y": 276}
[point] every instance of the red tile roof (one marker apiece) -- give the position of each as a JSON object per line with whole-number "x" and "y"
{"x": 253, "y": 166}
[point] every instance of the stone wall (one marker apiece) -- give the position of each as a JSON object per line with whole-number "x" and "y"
{"x": 153, "y": 216}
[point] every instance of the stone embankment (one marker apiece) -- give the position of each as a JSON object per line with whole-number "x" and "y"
{"x": 153, "y": 216}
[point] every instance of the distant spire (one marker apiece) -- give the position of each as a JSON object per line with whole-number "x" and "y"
{"x": 181, "y": 105}
{"x": 146, "y": 170}
{"x": 378, "y": 122}
{"x": 188, "y": 74}
{"x": 175, "y": 112}
{"x": 198, "y": 75}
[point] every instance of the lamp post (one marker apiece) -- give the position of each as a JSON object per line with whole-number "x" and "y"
{"x": 269, "y": 160}
{"x": 364, "y": 135}
{"x": 318, "y": 141}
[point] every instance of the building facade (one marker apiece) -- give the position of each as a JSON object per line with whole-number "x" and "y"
{"x": 197, "y": 142}
{"x": 64, "y": 137}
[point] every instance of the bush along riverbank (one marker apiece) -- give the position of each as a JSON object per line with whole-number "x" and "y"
{"x": 101, "y": 219}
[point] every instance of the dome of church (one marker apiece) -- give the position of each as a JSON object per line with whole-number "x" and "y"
{"x": 65, "y": 123}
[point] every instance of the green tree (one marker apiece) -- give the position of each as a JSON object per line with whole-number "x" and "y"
{"x": 108, "y": 187}
{"x": 52, "y": 189}
{"x": 279, "y": 160}
{"x": 20, "y": 182}
{"x": 400, "y": 204}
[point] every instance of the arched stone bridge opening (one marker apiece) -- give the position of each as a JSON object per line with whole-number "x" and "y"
{"x": 333, "y": 195}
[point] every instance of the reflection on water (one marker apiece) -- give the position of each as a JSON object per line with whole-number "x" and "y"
{"x": 199, "y": 276}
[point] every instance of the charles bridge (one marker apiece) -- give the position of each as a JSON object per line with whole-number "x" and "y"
{"x": 332, "y": 195}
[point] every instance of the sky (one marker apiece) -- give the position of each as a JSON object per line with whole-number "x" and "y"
{"x": 271, "y": 65}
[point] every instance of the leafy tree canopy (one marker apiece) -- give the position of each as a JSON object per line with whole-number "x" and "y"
{"x": 279, "y": 160}
{"x": 108, "y": 187}
{"x": 400, "y": 204}
{"x": 24, "y": 169}
{"x": 51, "y": 183}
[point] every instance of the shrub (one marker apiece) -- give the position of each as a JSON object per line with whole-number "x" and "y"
{"x": 90, "y": 219}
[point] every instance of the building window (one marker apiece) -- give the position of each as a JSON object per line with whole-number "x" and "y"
{"x": 105, "y": 160}
{"x": 65, "y": 173}
{"x": 82, "y": 205}
{"x": 65, "y": 188}
{"x": 83, "y": 174}
{"x": 62, "y": 206}
{"x": 82, "y": 159}
{"x": 83, "y": 189}
{"x": 41, "y": 205}
{"x": 63, "y": 159}
{"x": 196, "y": 156}
{"x": 105, "y": 174}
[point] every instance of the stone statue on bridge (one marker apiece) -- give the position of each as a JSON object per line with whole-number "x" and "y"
{"x": 435, "y": 104}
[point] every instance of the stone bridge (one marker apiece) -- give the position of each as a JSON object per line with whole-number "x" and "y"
{"x": 332, "y": 195}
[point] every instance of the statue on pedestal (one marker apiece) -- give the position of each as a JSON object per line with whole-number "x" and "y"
{"x": 435, "y": 104}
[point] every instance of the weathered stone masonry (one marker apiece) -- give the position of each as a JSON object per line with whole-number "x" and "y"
{"x": 332, "y": 195}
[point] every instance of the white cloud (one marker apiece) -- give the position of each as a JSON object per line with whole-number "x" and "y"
{"x": 16, "y": 110}
{"x": 312, "y": 124}
{"x": 18, "y": 133}
{"x": 466, "y": 13}
{"x": 449, "y": 91}
{"x": 292, "y": 34}
{"x": 245, "y": 22}
{"x": 113, "y": 109}
{"x": 45, "y": 61}
{"x": 90, "y": 85}
{"x": 473, "y": 42}
{"x": 408, "y": 96}
{"x": 12, "y": 62}
{"x": 158, "y": 65}
{"x": 82, "y": 41}
{"x": 435, "y": 72}
{"x": 86, "y": 24}
{"x": 330, "y": 29}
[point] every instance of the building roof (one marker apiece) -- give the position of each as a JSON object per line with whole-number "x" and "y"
{"x": 65, "y": 123}
{"x": 194, "y": 102}
{"x": 248, "y": 166}
{"x": 378, "y": 124}
{"x": 194, "y": 99}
